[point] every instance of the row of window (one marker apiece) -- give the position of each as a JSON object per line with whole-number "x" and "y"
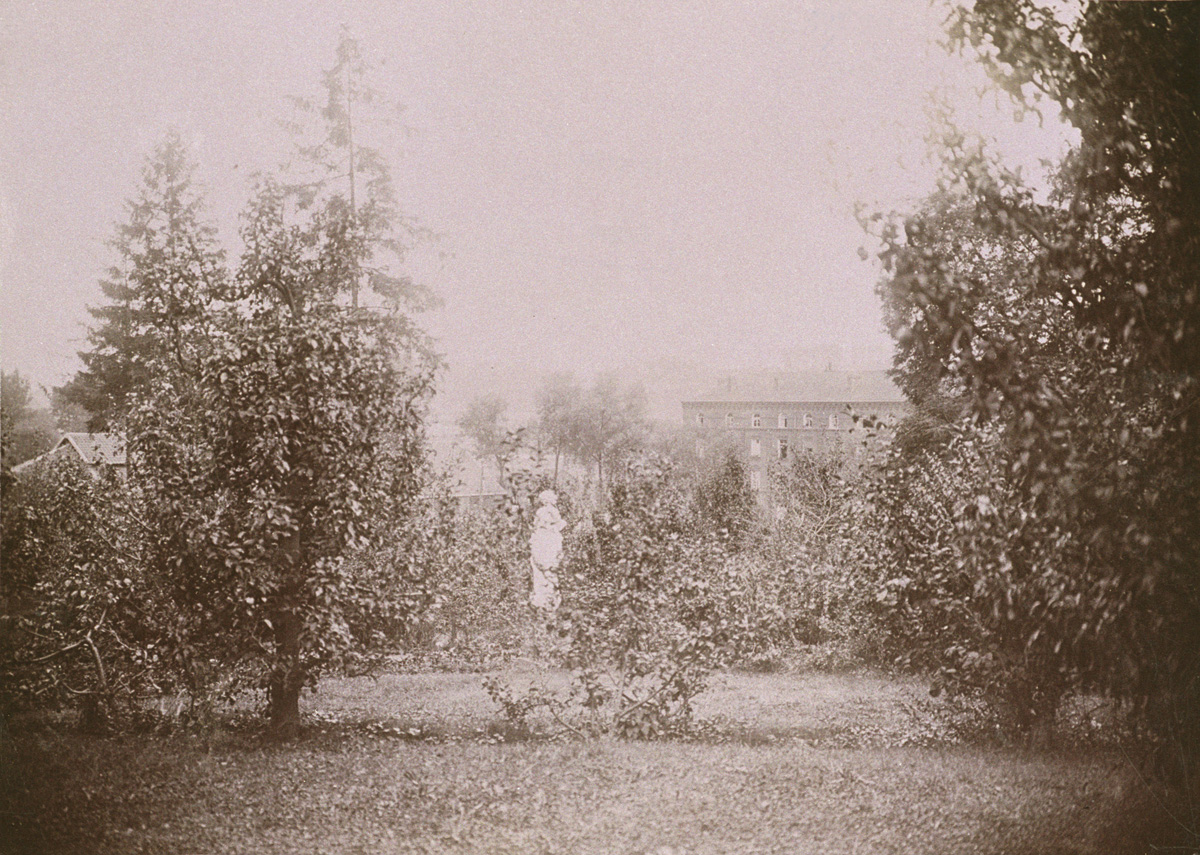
{"x": 782, "y": 421}
{"x": 781, "y": 448}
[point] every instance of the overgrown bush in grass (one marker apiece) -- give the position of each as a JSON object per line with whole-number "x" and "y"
{"x": 81, "y": 616}
{"x": 480, "y": 613}
{"x": 984, "y": 592}
{"x": 805, "y": 573}
{"x": 652, "y": 603}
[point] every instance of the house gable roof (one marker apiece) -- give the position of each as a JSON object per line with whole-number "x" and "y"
{"x": 95, "y": 448}
{"x": 808, "y": 387}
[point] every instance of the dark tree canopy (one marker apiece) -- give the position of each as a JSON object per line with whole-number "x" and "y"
{"x": 1052, "y": 349}
{"x": 273, "y": 424}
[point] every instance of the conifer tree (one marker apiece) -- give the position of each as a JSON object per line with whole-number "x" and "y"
{"x": 160, "y": 291}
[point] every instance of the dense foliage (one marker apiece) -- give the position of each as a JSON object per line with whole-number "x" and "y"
{"x": 276, "y": 525}
{"x": 83, "y": 617}
{"x": 291, "y": 448}
{"x": 1041, "y": 517}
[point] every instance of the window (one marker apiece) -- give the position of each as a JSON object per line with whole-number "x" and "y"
{"x": 783, "y": 449}
{"x": 782, "y": 423}
{"x": 808, "y": 420}
{"x": 755, "y": 448}
{"x": 755, "y": 480}
{"x": 700, "y": 419}
{"x": 833, "y": 421}
{"x": 729, "y": 420}
{"x": 756, "y": 420}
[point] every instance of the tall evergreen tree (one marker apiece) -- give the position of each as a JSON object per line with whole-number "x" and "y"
{"x": 341, "y": 177}
{"x": 169, "y": 270}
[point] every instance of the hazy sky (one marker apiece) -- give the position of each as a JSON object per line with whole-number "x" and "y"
{"x": 613, "y": 184}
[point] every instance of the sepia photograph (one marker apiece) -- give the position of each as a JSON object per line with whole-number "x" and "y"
{"x": 600, "y": 427}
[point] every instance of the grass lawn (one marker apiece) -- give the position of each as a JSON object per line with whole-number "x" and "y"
{"x": 419, "y": 763}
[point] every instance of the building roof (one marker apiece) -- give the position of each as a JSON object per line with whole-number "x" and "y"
{"x": 95, "y": 448}
{"x": 806, "y": 387}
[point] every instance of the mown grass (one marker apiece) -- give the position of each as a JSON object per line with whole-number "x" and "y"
{"x": 420, "y": 763}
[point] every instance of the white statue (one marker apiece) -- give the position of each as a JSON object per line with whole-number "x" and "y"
{"x": 545, "y": 552}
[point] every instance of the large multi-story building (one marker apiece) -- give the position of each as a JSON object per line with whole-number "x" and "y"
{"x": 770, "y": 418}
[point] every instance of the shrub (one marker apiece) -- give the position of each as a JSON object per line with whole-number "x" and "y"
{"x": 651, "y": 605}
{"x": 813, "y": 567}
{"x": 482, "y": 581}
{"x": 82, "y": 617}
{"x": 723, "y": 501}
{"x": 981, "y": 589}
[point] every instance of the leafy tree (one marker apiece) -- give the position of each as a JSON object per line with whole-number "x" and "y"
{"x": 1068, "y": 332}
{"x": 598, "y": 426}
{"x": 14, "y": 401}
{"x": 291, "y": 447}
{"x": 25, "y": 432}
{"x": 281, "y": 459}
{"x": 611, "y": 422}
{"x": 557, "y": 402}
{"x": 169, "y": 269}
{"x": 483, "y": 422}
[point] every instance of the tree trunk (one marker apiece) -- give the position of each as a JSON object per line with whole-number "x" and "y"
{"x": 287, "y": 679}
{"x": 288, "y": 671}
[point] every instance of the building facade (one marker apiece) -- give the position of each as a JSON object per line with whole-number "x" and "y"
{"x": 768, "y": 419}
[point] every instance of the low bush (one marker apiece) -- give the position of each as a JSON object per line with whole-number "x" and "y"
{"x": 82, "y": 617}
{"x": 980, "y": 589}
{"x": 651, "y": 605}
